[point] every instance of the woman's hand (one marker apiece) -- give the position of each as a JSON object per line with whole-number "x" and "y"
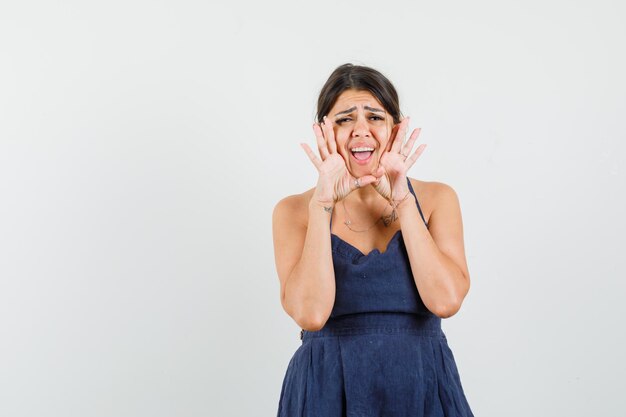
{"x": 396, "y": 162}
{"x": 335, "y": 182}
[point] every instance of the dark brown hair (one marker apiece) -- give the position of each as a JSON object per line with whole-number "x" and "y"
{"x": 357, "y": 77}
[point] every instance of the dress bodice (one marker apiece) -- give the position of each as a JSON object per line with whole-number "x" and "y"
{"x": 377, "y": 281}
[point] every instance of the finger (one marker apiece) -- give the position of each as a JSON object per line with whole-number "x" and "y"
{"x": 363, "y": 181}
{"x": 330, "y": 135}
{"x": 321, "y": 141}
{"x": 411, "y": 160}
{"x": 377, "y": 173}
{"x": 409, "y": 145}
{"x": 316, "y": 161}
{"x": 399, "y": 139}
{"x": 383, "y": 186}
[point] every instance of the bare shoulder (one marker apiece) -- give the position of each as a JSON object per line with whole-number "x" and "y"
{"x": 293, "y": 208}
{"x": 432, "y": 195}
{"x": 445, "y": 222}
{"x": 444, "y": 194}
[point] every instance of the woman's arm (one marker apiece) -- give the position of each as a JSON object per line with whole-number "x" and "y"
{"x": 304, "y": 262}
{"x": 303, "y": 253}
{"x": 436, "y": 253}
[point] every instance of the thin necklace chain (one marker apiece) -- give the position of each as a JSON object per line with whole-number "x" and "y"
{"x": 387, "y": 220}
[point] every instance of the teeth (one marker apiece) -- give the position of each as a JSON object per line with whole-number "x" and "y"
{"x": 362, "y": 149}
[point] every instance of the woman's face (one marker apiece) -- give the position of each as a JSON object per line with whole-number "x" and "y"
{"x": 360, "y": 121}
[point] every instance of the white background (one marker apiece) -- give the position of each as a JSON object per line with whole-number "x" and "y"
{"x": 144, "y": 144}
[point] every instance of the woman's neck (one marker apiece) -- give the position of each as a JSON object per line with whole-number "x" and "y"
{"x": 366, "y": 196}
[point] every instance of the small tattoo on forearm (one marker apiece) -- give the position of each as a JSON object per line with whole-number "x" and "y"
{"x": 328, "y": 209}
{"x": 390, "y": 218}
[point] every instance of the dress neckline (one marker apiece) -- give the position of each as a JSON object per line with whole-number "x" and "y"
{"x": 346, "y": 248}
{"x": 341, "y": 246}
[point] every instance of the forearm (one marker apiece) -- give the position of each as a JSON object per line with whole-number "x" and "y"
{"x": 310, "y": 289}
{"x": 440, "y": 282}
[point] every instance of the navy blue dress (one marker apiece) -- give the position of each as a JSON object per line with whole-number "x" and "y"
{"x": 381, "y": 353}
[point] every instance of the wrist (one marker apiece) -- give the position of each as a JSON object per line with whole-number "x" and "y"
{"x": 401, "y": 201}
{"x": 321, "y": 205}
{"x": 406, "y": 203}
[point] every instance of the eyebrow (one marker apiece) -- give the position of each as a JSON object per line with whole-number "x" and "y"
{"x": 351, "y": 109}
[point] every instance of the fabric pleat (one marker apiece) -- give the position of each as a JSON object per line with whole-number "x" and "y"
{"x": 375, "y": 375}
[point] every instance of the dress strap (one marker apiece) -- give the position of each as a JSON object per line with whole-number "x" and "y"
{"x": 416, "y": 201}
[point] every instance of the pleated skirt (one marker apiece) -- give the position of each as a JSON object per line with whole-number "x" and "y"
{"x": 374, "y": 365}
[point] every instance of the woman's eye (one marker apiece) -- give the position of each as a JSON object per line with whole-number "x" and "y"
{"x": 340, "y": 121}
{"x": 376, "y": 118}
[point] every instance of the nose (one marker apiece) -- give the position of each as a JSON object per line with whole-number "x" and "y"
{"x": 361, "y": 129}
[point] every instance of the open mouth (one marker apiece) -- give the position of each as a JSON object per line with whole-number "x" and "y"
{"x": 362, "y": 156}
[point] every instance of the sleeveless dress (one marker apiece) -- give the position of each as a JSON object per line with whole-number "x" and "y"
{"x": 381, "y": 353}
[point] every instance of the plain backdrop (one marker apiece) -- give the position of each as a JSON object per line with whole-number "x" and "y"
{"x": 144, "y": 145}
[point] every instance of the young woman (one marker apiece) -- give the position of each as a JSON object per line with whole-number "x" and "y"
{"x": 365, "y": 270}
